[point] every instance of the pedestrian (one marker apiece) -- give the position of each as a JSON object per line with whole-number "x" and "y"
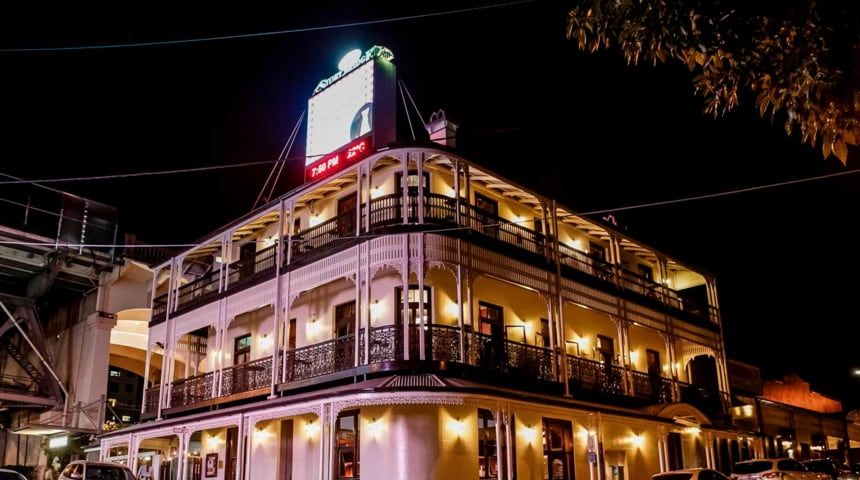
{"x": 145, "y": 471}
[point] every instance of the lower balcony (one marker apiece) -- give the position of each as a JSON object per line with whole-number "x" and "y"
{"x": 472, "y": 355}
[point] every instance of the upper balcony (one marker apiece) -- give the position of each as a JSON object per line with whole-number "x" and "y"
{"x": 207, "y": 277}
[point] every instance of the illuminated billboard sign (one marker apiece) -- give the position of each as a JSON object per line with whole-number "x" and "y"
{"x": 355, "y": 103}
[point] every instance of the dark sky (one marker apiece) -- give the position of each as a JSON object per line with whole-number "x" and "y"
{"x": 121, "y": 92}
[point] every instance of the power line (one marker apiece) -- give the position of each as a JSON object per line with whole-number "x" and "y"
{"x": 261, "y": 34}
{"x": 446, "y": 229}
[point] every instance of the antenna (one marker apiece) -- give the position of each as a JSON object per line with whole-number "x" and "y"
{"x": 277, "y": 167}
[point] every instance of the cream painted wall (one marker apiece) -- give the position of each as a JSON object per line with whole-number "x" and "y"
{"x": 529, "y": 451}
{"x": 633, "y": 445}
{"x": 641, "y": 339}
{"x": 582, "y": 325}
{"x": 411, "y": 439}
{"x": 521, "y": 306}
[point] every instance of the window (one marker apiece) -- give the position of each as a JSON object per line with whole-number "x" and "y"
{"x": 646, "y": 272}
{"x": 486, "y": 213}
{"x": 488, "y": 465}
{"x": 544, "y": 332}
{"x": 413, "y": 299}
{"x": 412, "y": 181}
{"x": 242, "y": 349}
{"x": 605, "y": 349}
{"x": 346, "y": 454}
{"x": 344, "y": 319}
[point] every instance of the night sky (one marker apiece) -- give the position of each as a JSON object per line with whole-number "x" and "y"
{"x": 117, "y": 93}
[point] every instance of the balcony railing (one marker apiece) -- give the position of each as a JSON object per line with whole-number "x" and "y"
{"x": 494, "y": 359}
{"x": 387, "y": 211}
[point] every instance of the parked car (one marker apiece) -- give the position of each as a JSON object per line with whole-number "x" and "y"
{"x": 771, "y": 468}
{"x": 690, "y": 474}
{"x": 831, "y": 469}
{"x": 86, "y": 470}
{"x": 8, "y": 474}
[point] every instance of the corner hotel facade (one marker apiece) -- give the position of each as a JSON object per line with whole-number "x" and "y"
{"x": 409, "y": 314}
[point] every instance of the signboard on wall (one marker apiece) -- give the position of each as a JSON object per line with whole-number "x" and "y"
{"x": 351, "y": 112}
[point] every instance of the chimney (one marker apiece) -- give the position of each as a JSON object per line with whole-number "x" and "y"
{"x": 442, "y": 130}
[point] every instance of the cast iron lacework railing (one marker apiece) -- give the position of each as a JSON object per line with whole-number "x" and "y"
{"x": 246, "y": 377}
{"x": 191, "y": 390}
{"x": 440, "y": 210}
{"x": 492, "y": 355}
{"x": 262, "y": 262}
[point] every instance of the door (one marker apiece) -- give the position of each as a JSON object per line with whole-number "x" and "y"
{"x": 558, "y": 449}
{"x": 412, "y": 321}
{"x": 344, "y": 332}
{"x": 285, "y": 459}
{"x": 491, "y": 326}
{"x": 346, "y": 215}
{"x": 291, "y": 350}
{"x": 231, "y": 460}
{"x": 655, "y": 378}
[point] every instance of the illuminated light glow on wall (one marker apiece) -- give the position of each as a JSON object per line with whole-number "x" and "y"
{"x": 457, "y": 426}
{"x": 311, "y": 428}
{"x": 374, "y": 427}
{"x": 637, "y": 440}
{"x": 529, "y": 433}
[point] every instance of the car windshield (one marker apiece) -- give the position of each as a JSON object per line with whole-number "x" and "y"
{"x": 104, "y": 472}
{"x": 751, "y": 467}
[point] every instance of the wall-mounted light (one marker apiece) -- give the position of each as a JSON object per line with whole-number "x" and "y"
{"x": 529, "y": 433}
{"x": 218, "y": 259}
{"x": 450, "y": 192}
{"x": 315, "y": 220}
{"x": 311, "y": 428}
{"x": 451, "y": 309}
{"x": 457, "y": 426}
{"x": 261, "y": 435}
{"x": 313, "y": 327}
{"x": 634, "y": 356}
{"x": 637, "y": 440}
{"x": 269, "y": 241}
{"x": 213, "y": 442}
{"x": 375, "y": 309}
{"x": 375, "y": 192}
{"x": 374, "y": 427}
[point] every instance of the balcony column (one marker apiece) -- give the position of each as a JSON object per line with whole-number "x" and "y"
{"x": 556, "y": 304}
{"x": 623, "y": 327}
{"x": 672, "y": 359}
{"x": 422, "y": 307}
{"x": 421, "y": 193}
{"x": 279, "y": 319}
{"x": 499, "y": 416}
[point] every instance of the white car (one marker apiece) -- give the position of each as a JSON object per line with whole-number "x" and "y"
{"x": 86, "y": 470}
{"x": 9, "y": 474}
{"x": 690, "y": 474}
{"x": 771, "y": 468}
